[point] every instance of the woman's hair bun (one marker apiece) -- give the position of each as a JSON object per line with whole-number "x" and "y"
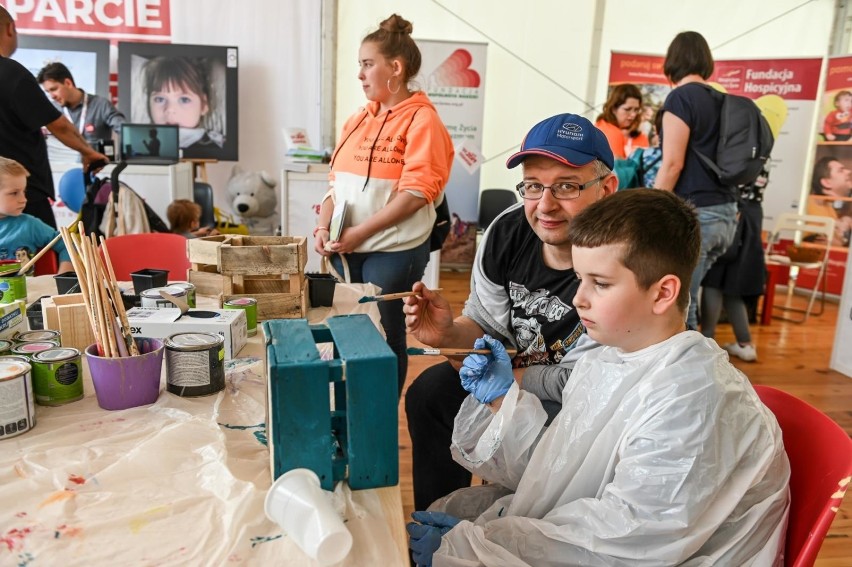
{"x": 397, "y": 24}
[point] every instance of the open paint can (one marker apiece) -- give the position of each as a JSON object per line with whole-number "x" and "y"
{"x": 195, "y": 364}
{"x": 57, "y": 376}
{"x": 190, "y": 292}
{"x": 17, "y": 410}
{"x": 152, "y": 298}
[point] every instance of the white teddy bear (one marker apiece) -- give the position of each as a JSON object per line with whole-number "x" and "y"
{"x": 254, "y": 199}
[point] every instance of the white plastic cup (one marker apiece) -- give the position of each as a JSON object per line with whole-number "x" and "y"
{"x": 296, "y": 502}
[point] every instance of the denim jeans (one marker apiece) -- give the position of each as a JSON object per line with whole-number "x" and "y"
{"x": 718, "y": 226}
{"x": 393, "y": 272}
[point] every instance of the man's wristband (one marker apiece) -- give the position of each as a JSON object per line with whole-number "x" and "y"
{"x": 319, "y": 228}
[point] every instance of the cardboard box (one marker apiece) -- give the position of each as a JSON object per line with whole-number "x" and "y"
{"x": 163, "y": 323}
{"x": 13, "y": 318}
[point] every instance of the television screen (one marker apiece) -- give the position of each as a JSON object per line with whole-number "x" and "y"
{"x": 193, "y": 87}
{"x": 87, "y": 59}
{"x": 149, "y": 144}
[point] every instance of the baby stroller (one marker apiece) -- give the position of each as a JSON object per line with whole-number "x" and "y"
{"x": 111, "y": 208}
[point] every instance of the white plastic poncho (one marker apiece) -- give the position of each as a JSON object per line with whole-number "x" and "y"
{"x": 664, "y": 456}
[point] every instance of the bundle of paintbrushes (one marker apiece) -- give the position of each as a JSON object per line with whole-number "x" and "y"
{"x": 101, "y": 294}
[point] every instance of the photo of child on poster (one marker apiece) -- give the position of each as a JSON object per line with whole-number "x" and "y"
{"x": 193, "y": 87}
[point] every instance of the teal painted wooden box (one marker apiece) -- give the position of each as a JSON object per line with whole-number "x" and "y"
{"x": 357, "y": 440}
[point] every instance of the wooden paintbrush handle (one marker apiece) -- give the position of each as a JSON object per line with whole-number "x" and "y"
{"x": 41, "y": 253}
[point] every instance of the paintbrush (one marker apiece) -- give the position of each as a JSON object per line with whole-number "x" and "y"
{"x": 454, "y": 351}
{"x": 390, "y": 296}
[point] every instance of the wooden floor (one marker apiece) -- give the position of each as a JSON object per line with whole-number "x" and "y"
{"x": 792, "y": 357}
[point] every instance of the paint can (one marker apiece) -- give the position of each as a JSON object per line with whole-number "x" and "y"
{"x": 195, "y": 364}
{"x": 152, "y": 298}
{"x": 5, "y": 347}
{"x": 190, "y": 292}
{"x": 37, "y": 336}
{"x": 17, "y": 410}
{"x": 12, "y": 286}
{"x": 30, "y": 349}
{"x": 249, "y": 305}
{"x": 57, "y": 376}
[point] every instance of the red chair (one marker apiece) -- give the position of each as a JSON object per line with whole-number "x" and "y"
{"x": 820, "y": 454}
{"x": 156, "y": 250}
{"x": 47, "y": 265}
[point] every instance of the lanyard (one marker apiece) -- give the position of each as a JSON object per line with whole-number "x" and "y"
{"x": 82, "y": 113}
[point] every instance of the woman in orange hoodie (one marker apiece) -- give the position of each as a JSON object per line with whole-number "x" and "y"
{"x": 390, "y": 165}
{"x": 620, "y": 120}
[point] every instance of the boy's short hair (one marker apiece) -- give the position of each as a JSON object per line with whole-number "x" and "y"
{"x": 54, "y": 72}
{"x": 12, "y": 168}
{"x": 181, "y": 213}
{"x": 659, "y": 230}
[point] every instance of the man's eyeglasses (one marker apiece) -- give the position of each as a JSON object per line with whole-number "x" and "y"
{"x": 563, "y": 191}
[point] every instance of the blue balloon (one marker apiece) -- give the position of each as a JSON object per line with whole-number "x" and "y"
{"x": 72, "y": 189}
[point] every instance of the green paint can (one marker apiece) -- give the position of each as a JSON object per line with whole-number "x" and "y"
{"x": 249, "y": 305}
{"x": 12, "y": 286}
{"x": 57, "y": 376}
{"x": 190, "y": 291}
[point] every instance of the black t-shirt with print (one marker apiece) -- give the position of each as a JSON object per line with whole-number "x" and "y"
{"x": 543, "y": 321}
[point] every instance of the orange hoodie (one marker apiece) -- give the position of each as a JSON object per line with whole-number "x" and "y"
{"x": 406, "y": 148}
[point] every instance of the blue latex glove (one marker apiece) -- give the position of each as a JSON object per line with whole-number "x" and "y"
{"x": 487, "y": 376}
{"x": 424, "y": 538}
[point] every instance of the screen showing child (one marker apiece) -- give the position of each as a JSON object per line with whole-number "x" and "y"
{"x": 188, "y": 92}
{"x": 22, "y": 235}
{"x": 185, "y": 219}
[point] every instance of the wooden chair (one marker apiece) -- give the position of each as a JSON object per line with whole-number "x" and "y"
{"x": 820, "y": 454}
{"x": 790, "y": 227}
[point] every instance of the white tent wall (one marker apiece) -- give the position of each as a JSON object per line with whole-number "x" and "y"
{"x": 542, "y": 58}
{"x": 279, "y": 78}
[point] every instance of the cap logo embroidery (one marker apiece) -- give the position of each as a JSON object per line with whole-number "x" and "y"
{"x": 570, "y": 131}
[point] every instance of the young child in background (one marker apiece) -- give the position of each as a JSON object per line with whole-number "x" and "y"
{"x": 838, "y": 123}
{"x": 185, "y": 219}
{"x": 23, "y": 235}
{"x": 662, "y": 454}
{"x": 178, "y": 92}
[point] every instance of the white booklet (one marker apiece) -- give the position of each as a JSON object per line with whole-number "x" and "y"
{"x": 338, "y": 220}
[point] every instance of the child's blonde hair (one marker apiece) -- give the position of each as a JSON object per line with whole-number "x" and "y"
{"x": 182, "y": 213}
{"x": 11, "y": 168}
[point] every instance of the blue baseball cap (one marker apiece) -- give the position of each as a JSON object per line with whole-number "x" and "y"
{"x": 567, "y": 138}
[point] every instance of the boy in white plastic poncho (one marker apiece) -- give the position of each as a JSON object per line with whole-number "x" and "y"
{"x": 662, "y": 454}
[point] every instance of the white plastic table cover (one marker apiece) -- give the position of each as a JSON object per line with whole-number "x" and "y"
{"x": 178, "y": 482}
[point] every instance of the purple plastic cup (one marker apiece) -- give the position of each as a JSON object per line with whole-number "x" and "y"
{"x": 127, "y": 381}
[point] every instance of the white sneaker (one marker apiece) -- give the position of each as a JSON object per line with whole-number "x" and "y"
{"x": 747, "y": 352}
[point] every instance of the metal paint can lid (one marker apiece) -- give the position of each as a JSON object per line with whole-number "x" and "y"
{"x": 5, "y": 346}
{"x": 58, "y": 354}
{"x": 16, "y": 357}
{"x": 183, "y": 285}
{"x": 34, "y": 347}
{"x": 154, "y": 292}
{"x": 36, "y": 336}
{"x": 12, "y": 368}
{"x": 194, "y": 341}
{"x": 241, "y": 302}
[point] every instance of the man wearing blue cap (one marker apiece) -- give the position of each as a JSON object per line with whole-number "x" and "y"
{"x": 522, "y": 289}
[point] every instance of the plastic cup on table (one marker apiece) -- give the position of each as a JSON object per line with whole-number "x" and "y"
{"x": 296, "y": 502}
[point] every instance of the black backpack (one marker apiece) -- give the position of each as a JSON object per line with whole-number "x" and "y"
{"x": 745, "y": 141}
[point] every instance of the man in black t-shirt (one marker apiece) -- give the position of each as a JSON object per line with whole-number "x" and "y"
{"x": 24, "y": 110}
{"x": 522, "y": 291}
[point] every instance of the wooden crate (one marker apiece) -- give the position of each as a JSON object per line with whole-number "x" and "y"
{"x": 67, "y": 314}
{"x": 263, "y": 255}
{"x": 205, "y": 250}
{"x": 276, "y": 305}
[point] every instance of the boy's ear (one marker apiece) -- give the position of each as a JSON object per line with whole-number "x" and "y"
{"x": 667, "y": 291}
